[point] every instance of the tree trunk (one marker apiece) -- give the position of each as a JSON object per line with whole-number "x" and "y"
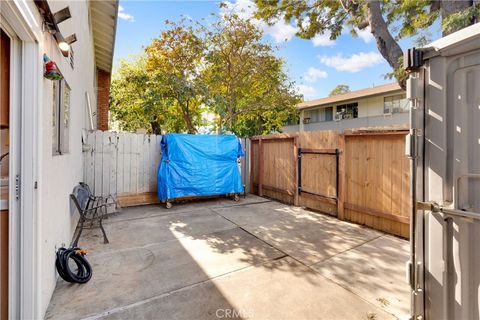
{"x": 190, "y": 127}
{"x": 188, "y": 122}
{"x": 388, "y": 47}
{"x": 187, "y": 118}
{"x": 453, "y": 6}
{"x": 156, "y": 129}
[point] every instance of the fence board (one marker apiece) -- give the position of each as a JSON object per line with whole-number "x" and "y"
{"x": 120, "y": 162}
{"x": 127, "y": 186}
{"x": 98, "y": 154}
{"x": 107, "y": 162}
{"x": 113, "y": 150}
{"x": 89, "y": 172}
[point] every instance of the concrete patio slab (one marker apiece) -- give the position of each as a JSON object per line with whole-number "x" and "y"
{"x": 255, "y": 214}
{"x": 257, "y": 258}
{"x": 126, "y": 276}
{"x": 281, "y": 289}
{"x": 152, "y": 230}
{"x": 374, "y": 271}
{"x": 304, "y": 235}
{"x": 137, "y": 212}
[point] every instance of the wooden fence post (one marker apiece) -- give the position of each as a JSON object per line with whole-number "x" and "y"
{"x": 341, "y": 177}
{"x": 260, "y": 167}
{"x": 295, "y": 164}
{"x": 252, "y": 167}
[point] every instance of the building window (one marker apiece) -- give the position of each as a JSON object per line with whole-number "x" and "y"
{"x": 61, "y": 117}
{"x": 395, "y": 104}
{"x": 329, "y": 114}
{"x": 347, "y": 111}
{"x": 319, "y": 115}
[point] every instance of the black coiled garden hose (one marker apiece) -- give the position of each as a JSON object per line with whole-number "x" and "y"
{"x": 84, "y": 270}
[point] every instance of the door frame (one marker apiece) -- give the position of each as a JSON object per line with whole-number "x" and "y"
{"x": 19, "y": 21}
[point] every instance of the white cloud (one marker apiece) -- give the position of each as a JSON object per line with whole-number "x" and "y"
{"x": 313, "y": 74}
{"x": 280, "y": 31}
{"x": 125, "y": 16}
{"x": 354, "y": 63}
{"x": 307, "y": 91}
{"x": 365, "y": 34}
{"x": 243, "y": 8}
{"x": 323, "y": 40}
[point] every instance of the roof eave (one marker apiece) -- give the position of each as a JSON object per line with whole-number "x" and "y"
{"x": 104, "y": 15}
{"x": 319, "y": 104}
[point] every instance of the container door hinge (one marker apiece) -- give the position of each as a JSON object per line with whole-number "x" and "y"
{"x": 17, "y": 186}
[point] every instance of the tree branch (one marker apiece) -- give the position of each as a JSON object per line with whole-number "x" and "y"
{"x": 388, "y": 47}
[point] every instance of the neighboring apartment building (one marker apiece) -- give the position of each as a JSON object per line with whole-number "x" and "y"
{"x": 42, "y": 125}
{"x": 380, "y": 106}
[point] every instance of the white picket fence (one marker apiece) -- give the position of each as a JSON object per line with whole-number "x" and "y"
{"x": 121, "y": 163}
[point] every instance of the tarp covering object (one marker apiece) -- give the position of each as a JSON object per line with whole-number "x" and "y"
{"x": 199, "y": 165}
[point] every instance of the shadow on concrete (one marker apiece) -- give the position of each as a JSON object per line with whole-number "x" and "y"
{"x": 191, "y": 264}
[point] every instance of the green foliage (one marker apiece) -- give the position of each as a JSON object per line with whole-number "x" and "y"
{"x": 340, "y": 89}
{"x": 247, "y": 85}
{"x": 224, "y": 69}
{"x": 460, "y": 20}
{"x": 173, "y": 61}
{"x": 134, "y": 104}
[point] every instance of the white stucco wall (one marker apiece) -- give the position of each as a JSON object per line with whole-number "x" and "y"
{"x": 399, "y": 120}
{"x": 60, "y": 173}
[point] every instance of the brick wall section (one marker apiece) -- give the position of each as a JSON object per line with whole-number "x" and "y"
{"x": 103, "y": 95}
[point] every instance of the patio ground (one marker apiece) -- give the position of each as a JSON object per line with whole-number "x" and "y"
{"x": 255, "y": 259}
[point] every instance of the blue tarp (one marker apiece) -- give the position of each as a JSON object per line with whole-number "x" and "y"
{"x": 199, "y": 165}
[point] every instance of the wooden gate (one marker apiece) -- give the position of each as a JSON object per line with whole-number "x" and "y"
{"x": 318, "y": 176}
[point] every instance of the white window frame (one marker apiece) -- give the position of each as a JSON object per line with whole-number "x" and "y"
{"x": 392, "y": 99}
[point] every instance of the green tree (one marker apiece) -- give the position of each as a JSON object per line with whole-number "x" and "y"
{"x": 247, "y": 85}
{"x": 340, "y": 89}
{"x": 190, "y": 70}
{"x": 389, "y": 21}
{"x": 173, "y": 62}
{"x": 133, "y": 104}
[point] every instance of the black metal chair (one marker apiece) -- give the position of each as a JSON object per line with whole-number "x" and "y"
{"x": 97, "y": 200}
{"x": 91, "y": 209}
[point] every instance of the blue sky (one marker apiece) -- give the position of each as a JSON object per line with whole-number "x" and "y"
{"x": 316, "y": 65}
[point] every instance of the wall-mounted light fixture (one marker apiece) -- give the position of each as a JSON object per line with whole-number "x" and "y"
{"x": 64, "y": 47}
{"x": 51, "y": 22}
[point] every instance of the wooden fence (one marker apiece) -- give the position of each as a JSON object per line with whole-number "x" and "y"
{"x": 122, "y": 164}
{"x": 361, "y": 177}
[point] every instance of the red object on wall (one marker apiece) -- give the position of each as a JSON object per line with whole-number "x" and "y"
{"x": 103, "y": 96}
